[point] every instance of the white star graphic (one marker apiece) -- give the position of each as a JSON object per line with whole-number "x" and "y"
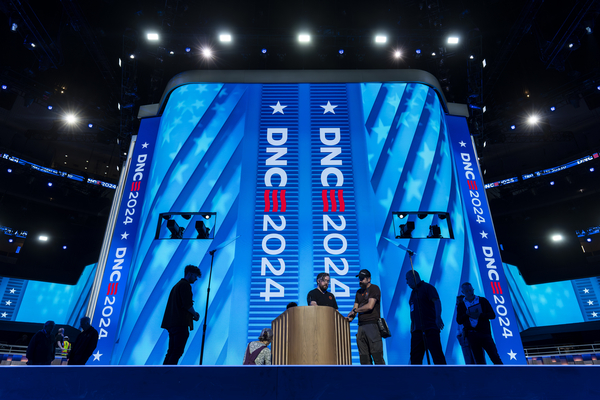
{"x": 145, "y": 145}
{"x": 594, "y": 314}
{"x": 586, "y": 290}
{"x": 97, "y": 356}
{"x": 463, "y": 144}
{"x": 591, "y": 303}
{"x": 278, "y": 108}
{"x": 4, "y": 315}
{"x": 513, "y": 355}
{"x": 12, "y": 291}
{"x": 124, "y": 235}
{"x": 483, "y": 234}
{"x": 328, "y": 108}
{"x": 8, "y": 302}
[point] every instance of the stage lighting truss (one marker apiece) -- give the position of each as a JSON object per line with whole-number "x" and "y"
{"x": 422, "y": 225}
{"x": 186, "y": 225}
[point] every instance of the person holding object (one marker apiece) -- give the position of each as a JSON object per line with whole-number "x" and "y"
{"x": 426, "y": 320}
{"x": 320, "y": 296}
{"x": 85, "y": 343}
{"x": 180, "y": 314}
{"x": 41, "y": 347}
{"x": 475, "y": 314}
{"x": 367, "y": 306}
{"x": 257, "y": 353}
{"x": 462, "y": 338}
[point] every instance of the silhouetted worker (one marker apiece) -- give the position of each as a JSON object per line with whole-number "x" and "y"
{"x": 85, "y": 344}
{"x": 426, "y": 320}
{"x": 257, "y": 353}
{"x": 41, "y": 347}
{"x": 180, "y": 314}
{"x": 366, "y": 305}
{"x": 462, "y": 338}
{"x": 291, "y": 305}
{"x": 320, "y": 296}
{"x": 475, "y": 314}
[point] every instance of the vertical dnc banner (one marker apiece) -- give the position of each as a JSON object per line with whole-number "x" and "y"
{"x": 110, "y": 298}
{"x": 479, "y": 221}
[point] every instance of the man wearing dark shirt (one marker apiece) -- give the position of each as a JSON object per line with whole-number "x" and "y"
{"x": 180, "y": 314}
{"x": 475, "y": 313}
{"x": 426, "y": 320}
{"x": 367, "y": 305}
{"x": 41, "y": 347}
{"x": 320, "y": 296}
{"x": 85, "y": 344}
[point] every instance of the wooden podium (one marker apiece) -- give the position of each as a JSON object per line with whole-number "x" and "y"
{"x": 311, "y": 335}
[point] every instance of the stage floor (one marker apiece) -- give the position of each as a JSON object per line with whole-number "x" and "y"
{"x": 299, "y": 382}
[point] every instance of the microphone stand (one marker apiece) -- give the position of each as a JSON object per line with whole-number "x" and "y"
{"x": 416, "y": 290}
{"x": 212, "y": 258}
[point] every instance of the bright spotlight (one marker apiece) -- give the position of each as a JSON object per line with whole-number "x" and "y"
{"x": 187, "y": 49}
{"x": 90, "y": 126}
{"x": 557, "y": 238}
{"x": 588, "y": 240}
{"x": 484, "y": 63}
{"x": 570, "y": 45}
{"x": 452, "y": 40}
{"x": 536, "y": 247}
{"x": 304, "y": 38}
{"x": 152, "y": 36}
{"x": 15, "y": 26}
{"x": 341, "y": 51}
{"x": 9, "y": 170}
{"x": 64, "y": 247}
{"x": 71, "y": 118}
{"x": 172, "y": 52}
{"x": 380, "y": 39}
{"x": 592, "y": 169}
{"x": 43, "y": 238}
{"x": 433, "y": 54}
{"x": 471, "y": 57}
{"x": 10, "y": 240}
{"x": 207, "y": 53}
{"x": 4, "y": 87}
{"x": 418, "y": 51}
{"x": 225, "y": 38}
{"x": 598, "y": 87}
{"x": 49, "y": 107}
{"x": 264, "y": 51}
{"x": 397, "y": 54}
{"x": 49, "y": 184}
{"x": 552, "y": 108}
{"x": 534, "y": 119}
{"x": 551, "y": 183}
{"x": 132, "y": 56}
{"x": 587, "y": 29}
{"x": 32, "y": 44}
{"x": 513, "y": 127}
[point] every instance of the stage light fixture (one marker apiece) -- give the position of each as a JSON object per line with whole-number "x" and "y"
{"x": 471, "y": 57}
{"x": 598, "y": 87}
{"x": 32, "y": 44}
{"x": 402, "y": 216}
{"x": 226, "y": 38}
{"x": 10, "y": 240}
{"x": 570, "y": 45}
{"x": 341, "y": 51}
{"x": 406, "y": 230}
{"x": 418, "y": 51}
{"x": 166, "y": 216}
{"x": 380, "y": 39}
{"x": 9, "y": 170}
{"x": 536, "y": 247}
{"x": 397, "y": 54}
{"x": 64, "y": 247}
{"x": 50, "y": 184}
{"x": 70, "y": 118}
{"x": 422, "y": 215}
{"x": 303, "y": 38}
{"x": 264, "y": 51}
{"x": 49, "y": 107}
{"x": 187, "y": 49}
{"x": 442, "y": 216}
{"x": 484, "y": 143}
{"x": 43, "y": 238}
{"x": 207, "y": 53}
{"x": 132, "y": 56}
{"x": 186, "y": 216}
{"x": 202, "y": 230}
{"x": 551, "y": 183}
{"x": 588, "y": 240}
{"x": 90, "y": 126}
{"x": 557, "y": 238}
{"x": 207, "y": 216}
{"x": 587, "y": 29}
{"x": 453, "y": 40}
{"x": 592, "y": 169}
{"x": 533, "y": 119}
{"x": 172, "y": 52}
{"x": 433, "y": 54}
{"x": 513, "y": 127}
{"x": 484, "y": 63}
{"x": 434, "y": 232}
{"x": 15, "y": 26}
{"x": 176, "y": 230}
{"x": 552, "y": 108}
{"x": 152, "y": 36}
{"x": 4, "y": 87}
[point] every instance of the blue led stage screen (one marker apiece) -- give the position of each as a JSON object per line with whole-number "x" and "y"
{"x": 308, "y": 175}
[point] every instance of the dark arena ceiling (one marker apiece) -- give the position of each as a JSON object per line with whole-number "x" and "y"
{"x": 92, "y": 59}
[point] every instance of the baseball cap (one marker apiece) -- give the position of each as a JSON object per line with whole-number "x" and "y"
{"x": 364, "y": 273}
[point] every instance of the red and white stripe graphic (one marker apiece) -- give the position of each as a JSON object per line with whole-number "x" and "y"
{"x": 112, "y": 288}
{"x": 496, "y": 288}
{"x": 275, "y": 201}
{"x": 329, "y": 199}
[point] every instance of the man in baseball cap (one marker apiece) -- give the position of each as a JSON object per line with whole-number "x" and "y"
{"x": 367, "y": 306}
